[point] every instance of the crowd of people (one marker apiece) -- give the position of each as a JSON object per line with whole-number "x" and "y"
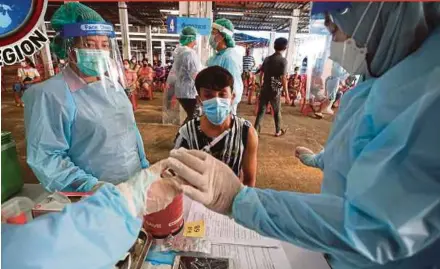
{"x": 379, "y": 204}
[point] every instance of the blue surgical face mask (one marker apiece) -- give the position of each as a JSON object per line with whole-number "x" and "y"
{"x": 92, "y": 62}
{"x": 217, "y": 109}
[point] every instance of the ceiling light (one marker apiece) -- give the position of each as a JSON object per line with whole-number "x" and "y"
{"x": 171, "y": 11}
{"x": 282, "y": 17}
{"x": 231, "y": 13}
{"x": 118, "y": 24}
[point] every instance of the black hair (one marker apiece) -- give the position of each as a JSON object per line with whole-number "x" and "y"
{"x": 296, "y": 68}
{"x": 145, "y": 60}
{"x": 280, "y": 44}
{"x": 214, "y": 78}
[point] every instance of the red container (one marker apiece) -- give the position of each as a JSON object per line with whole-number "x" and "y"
{"x": 168, "y": 221}
{"x": 18, "y": 219}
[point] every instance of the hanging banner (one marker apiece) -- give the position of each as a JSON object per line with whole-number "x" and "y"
{"x": 176, "y": 24}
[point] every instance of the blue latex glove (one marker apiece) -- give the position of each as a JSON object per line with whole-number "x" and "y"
{"x": 93, "y": 233}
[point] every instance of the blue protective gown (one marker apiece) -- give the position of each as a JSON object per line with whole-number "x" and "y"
{"x": 230, "y": 60}
{"x": 94, "y": 233}
{"x": 77, "y": 137}
{"x": 379, "y": 206}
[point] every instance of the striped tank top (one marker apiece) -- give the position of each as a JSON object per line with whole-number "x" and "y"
{"x": 229, "y": 149}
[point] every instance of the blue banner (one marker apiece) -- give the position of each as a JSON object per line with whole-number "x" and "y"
{"x": 172, "y": 24}
{"x": 175, "y": 25}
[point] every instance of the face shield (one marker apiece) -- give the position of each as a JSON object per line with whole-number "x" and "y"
{"x": 93, "y": 53}
{"x": 220, "y": 32}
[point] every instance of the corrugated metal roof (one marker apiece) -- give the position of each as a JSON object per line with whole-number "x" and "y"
{"x": 258, "y": 16}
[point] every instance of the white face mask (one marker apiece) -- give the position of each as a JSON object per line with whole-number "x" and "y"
{"x": 347, "y": 54}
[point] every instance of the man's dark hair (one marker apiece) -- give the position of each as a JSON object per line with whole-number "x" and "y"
{"x": 280, "y": 44}
{"x": 214, "y": 78}
{"x": 296, "y": 68}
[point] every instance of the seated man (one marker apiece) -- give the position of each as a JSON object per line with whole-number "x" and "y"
{"x": 229, "y": 138}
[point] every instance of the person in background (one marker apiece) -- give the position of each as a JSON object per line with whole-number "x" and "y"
{"x": 80, "y": 126}
{"x": 379, "y": 205}
{"x": 27, "y": 75}
{"x": 226, "y": 56}
{"x": 134, "y": 65}
{"x": 145, "y": 81}
{"x": 295, "y": 81}
{"x": 228, "y": 138}
{"x": 159, "y": 72}
{"x": 186, "y": 66}
{"x": 274, "y": 77}
{"x": 130, "y": 75}
{"x": 248, "y": 65}
{"x": 132, "y": 83}
{"x": 332, "y": 85}
{"x": 318, "y": 98}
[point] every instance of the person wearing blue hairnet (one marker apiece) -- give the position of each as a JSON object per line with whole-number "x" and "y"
{"x": 379, "y": 205}
{"x": 93, "y": 233}
{"x": 226, "y": 56}
{"x": 80, "y": 127}
{"x": 184, "y": 71}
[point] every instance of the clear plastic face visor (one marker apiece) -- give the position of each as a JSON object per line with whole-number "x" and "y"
{"x": 93, "y": 52}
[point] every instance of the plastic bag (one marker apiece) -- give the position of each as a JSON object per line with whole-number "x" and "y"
{"x": 186, "y": 244}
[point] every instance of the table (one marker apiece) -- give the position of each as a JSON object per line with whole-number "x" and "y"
{"x": 298, "y": 257}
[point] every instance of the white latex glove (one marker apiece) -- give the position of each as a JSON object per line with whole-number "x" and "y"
{"x": 211, "y": 182}
{"x": 150, "y": 190}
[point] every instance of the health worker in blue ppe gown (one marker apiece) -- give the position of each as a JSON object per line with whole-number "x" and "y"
{"x": 93, "y": 233}
{"x": 379, "y": 205}
{"x": 227, "y": 56}
{"x": 80, "y": 127}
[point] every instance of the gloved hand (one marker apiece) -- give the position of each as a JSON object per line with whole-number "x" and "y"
{"x": 211, "y": 182}
{"x": 148, "y": 192}
{"x": 306, "y": 156}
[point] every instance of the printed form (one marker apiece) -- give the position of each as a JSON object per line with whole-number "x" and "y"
{"x": 248, "y": 249}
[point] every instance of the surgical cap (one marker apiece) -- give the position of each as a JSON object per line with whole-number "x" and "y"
{"x": 229, "y": 40}
{"x": 66, "y": 14}
{"x": 188, "y": 35}
{"x": 400, "y": 30}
